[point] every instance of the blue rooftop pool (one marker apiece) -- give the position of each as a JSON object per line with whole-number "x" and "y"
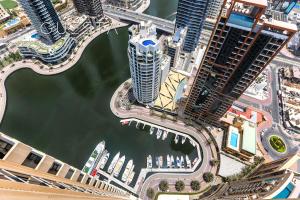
{"x": 12, "y": 22}
{"x": 234, "y": 139}
{"x": 241, "y": 20}
{"x": 285, "y": 193}
{"x": 35, "y": 36}
{"x": 148, "y": 42}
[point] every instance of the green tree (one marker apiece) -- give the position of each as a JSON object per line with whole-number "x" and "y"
{"x": 150, "y": 193}
{"x": 163, "y": 185}
{"x": 214, "y": 163}
{"x": 179, "y": 186}
{"x": 208, "y": 177}
{"x": 195, "y": 185}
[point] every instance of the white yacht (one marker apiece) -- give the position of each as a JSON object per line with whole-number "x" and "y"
{"x": 188, "y": 161}
{"x": 130, "y": 177}
{"x": 151, "y": 130}
{"x": 94, "y": 158}
{"x": 113, "y": 163}
{"x": 127, "y": 170}
{"x": 169, "y": 164}
{"x": 119, "y": 166}
{"x": 165, "y": 135}
{"x": 172, "y": 161}
{"x": 149, "y": 161}
{"x": 183, "y": 140}
{"x": 158, "y": 133}
{"x": 181, "y": 162}
{"x": 103, "y": 160}
{"x": 178, "y": 162}
{"x": 176, "y": 139}
{"x": 160, "y": 161}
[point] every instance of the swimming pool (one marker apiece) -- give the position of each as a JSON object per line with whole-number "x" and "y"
{"x": 12, "y": 22}
{"x": 285, "y": 193}
{"x": 241, "y": 20}
{"x": 234, "y": 139}
{"x": 35, "y": 36}
{"x": 148, "y": 42}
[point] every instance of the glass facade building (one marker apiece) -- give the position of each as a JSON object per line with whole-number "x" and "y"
{"x": 242, "y": 45}
{"x": 191, "y": 14}
{"x": 44, "y": 19}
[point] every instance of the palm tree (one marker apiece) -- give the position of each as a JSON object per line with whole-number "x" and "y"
{"x": 195, "y": 185}
{"x": 208, "y": 177}
{"x": 150, "y": 193}
{"x": 179, "y": 186}
{"x": 163, "y": 185}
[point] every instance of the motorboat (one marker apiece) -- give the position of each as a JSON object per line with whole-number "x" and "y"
{"x": 165, "y": 135}
{"x": 94, "y": 158}
{"x": 183, "y": 140}
{"x": 156, "y": 161}
{"x": 127, "y": 170}
{"x": 158, "y": 133}
{"x": 181, "y": 162}
{"x": 113, "y": 163}
{"x": 172, "y": 161}
{"x": 130, "y": 177}
{"x": 176, "y": 139}
{"x": 160, "y": 161}
{"x": 188, "y": 161}
{"x": 149, "y": 161}
{"x": 151, "y": 130}
{"x": 178, "y": 162}
{"x": 192, "y": 142}
{"x": 119, "y": 166}
{"x": 169, "y": 161}
{"x": 103, "y": 160}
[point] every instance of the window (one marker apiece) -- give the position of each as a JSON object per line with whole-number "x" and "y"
{"x": 54, "y": 168}
{"x": 32, "y": 160}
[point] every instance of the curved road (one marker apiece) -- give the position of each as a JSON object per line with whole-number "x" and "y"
{"x": 209, "y": 151}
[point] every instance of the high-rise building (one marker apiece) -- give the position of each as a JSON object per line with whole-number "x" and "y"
{"x": 27, "y": 174}
{"x": 92, "y": 8}
{"x": 244, "y": 42}
{"x": 285, "y": 6}
{"x": 213, "y": 11}
{"x": 174, "y": 45}
{"x": 44, "y": 19}
{"x": 274, "y": 180}
{"x": 145, "y": 55}
{"x": 191, "y": 14}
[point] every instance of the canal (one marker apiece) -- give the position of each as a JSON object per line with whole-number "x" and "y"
{"x": 67, "y": 115}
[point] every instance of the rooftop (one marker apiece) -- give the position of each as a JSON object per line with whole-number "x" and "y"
{"x": 249, "y": 137}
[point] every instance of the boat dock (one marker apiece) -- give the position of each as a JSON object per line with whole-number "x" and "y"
{"x": 138, "y": 121}
{"x": 110, "y": 178}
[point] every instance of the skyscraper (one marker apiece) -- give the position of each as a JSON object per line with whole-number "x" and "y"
{"x": 44, "y": 19}
{"x": 244, "y": 42}
{"x": 191, "y": 14}
{"x": 92, "y": 8}
{"x": 27, "y": 174}
{"x": 144, "y": 52}
{"x": 278, "y": 179}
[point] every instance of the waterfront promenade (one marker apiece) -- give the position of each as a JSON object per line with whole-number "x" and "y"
{"x": 202, "y": 137}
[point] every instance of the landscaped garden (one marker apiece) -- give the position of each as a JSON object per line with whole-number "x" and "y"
{"x": 8, "y": 4}
{"x": 277, "y": 144}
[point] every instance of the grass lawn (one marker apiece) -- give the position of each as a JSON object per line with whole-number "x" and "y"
{"x": 278, "y": 144}
{"x": 8, "y": 4}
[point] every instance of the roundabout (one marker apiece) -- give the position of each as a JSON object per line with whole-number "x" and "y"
{"x": 277, "y": 144}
